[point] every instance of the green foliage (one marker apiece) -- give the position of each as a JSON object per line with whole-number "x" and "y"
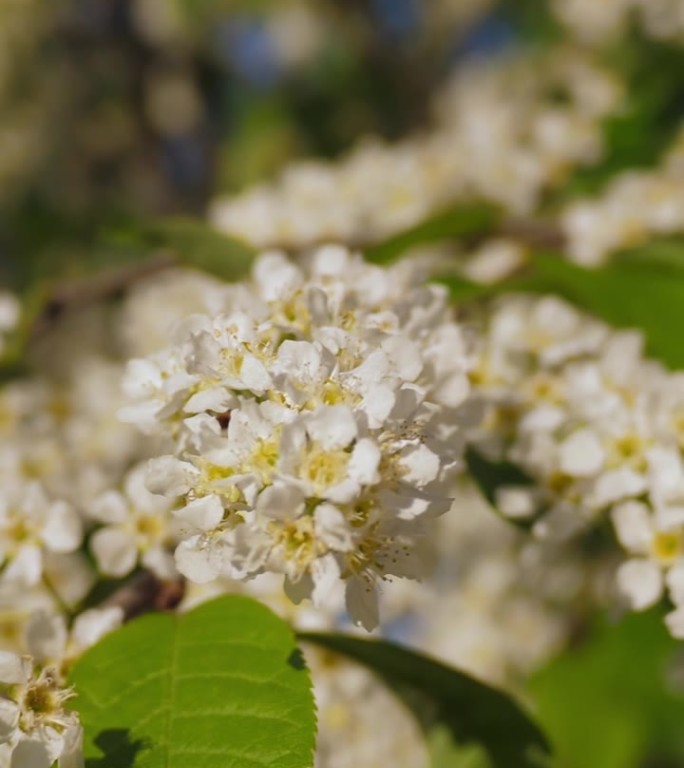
{"x": 467, "y": 722}
{"x": 457, "y": 221}
{"x": 610, "y": 702}
{"x": 197, "y": 244}
{"x": 223, "y": 686}
{"x": 629, "y": 294}
{"x": 643, "y": 290}
{"x": 491, "y": 476}
{"x": 638, "y": 134}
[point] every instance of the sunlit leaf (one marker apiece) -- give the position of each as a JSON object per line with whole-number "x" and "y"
{"x": 223, "y": 686}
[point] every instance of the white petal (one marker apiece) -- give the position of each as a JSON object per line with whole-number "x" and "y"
{"x": 364, "y": 462}
{"x": 298, "y": 590}
{"x": 92, "y": 625}
{"x": 300, "y": 359}
{"x": 195, "y": 561}
{"x": 616, "y": 485}
{"x": 9, "y": 720}
{"x": 582, "y": 454}
{"x": 633, "y": 526}
{"x": 423, "y": 465}
{"x": 26, "y": 568}
{"x": 325, "y": 572}
{"x": 665, "y": 470}
{"x": 641, "y": 582}
{"x": 332, "y": 528}
{"x": 674, "y": 579}
{"x": 362, "y": 602}
{"x": 110, "y": 507}
{"x": 254, "y": 375}
{"x": 404, "y": 355}
{"x": 46, "y": 636}
{"x": 169, "y": 476}
{"x": 378, "y": 402}
{"x": 62, "y": 531}
{"x": 32, "y": 753}
{"x": 141, "y": 379}
{"x": 14, "y": 669}
{"x": 161, "y": 563}
{"x": 137, "y": 492}
{"x": 517, "y": 502}
{"x": 217, "y": 399}
{"x": 332, "y": 426}
{"x": 202, "y": 514}
{"x": 115, "y": 551}
{"x": 281, "y": 501}
{"x": 275, "y": 276}
{"x": 72, "y": 751}
{"x": 675, "y": 623}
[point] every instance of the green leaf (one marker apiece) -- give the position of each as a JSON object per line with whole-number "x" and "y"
{"x": 665, "y": 253}
{"x": 638, "y": 134}
{"x": 197, "y": 244}
{"x": 616, "y": 700}
{"x": 491, "y": 476}
{"x": 455, "y": 222}
{"x": 626, "y": 295}
{"x": 477, "y": 718}
{"x": 13, "y": 361}
{"x": 223, "y": 686}
{"x": 463, "y": 290}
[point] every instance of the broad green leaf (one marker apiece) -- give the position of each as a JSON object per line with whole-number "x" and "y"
{"x": 223, "y": 686}
{"x": 643, "y": 288}
{"x": 457, "y": 221}
{"x": 627, "y": 295}
{"x": 463, "y": 290}
{"x": 197, "y": 244}
{"x": 616, "y": 700}
{"x": 479, "y": 719}
{"x": 665, "y": 253}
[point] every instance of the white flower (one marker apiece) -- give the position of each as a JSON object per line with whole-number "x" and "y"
{"x": 34, "y": 722}
{"x": 137, "y": 527}
{"x": 312, "y": 427}
{"x": 31, "y": 524}
{"x": 659, "y": 549}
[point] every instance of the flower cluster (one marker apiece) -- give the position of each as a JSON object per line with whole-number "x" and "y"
{"x": 313, "y": 422}
{"x": 636, "y": 206}
{"x": 599, "y": 428}
{"x": 597, "y": 22}
{"x": 501, "y": 133}
{"x": 36, "y": 729}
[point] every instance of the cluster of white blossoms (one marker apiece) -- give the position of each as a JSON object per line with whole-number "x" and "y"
{"x": 313, "y": 422}
{"x": 598, "y": 22}
{"x": 37, "y": 724}
{"x": 635, "y": 207}
{"x": 36, "y": 728}
{"x": 505, "y": 130}
{"x": 598, "y": 428}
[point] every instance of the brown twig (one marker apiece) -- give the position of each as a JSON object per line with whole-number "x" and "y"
{"x": 145, "y": 593}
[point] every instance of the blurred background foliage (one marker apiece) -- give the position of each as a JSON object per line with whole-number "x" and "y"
{"x": 116, "y": 112}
